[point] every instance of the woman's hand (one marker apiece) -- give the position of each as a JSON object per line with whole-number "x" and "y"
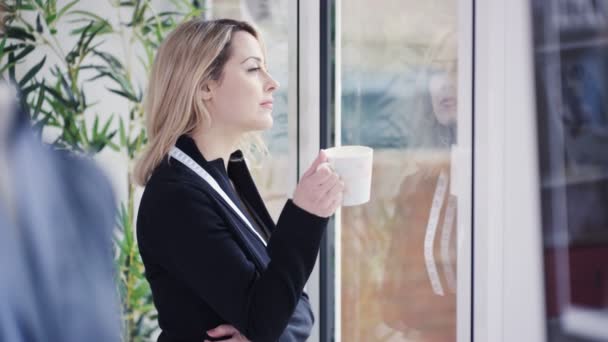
{"x": 227, "y": 331}
{"x": 320, "y": 189}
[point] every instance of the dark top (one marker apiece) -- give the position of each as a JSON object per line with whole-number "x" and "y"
{"x": 206, "y": 267}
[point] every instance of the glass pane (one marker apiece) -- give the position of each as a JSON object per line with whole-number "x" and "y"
{"x": 399, "y": 96}
{"x": 571, "y": 61}
{"x": 270, "y": 18}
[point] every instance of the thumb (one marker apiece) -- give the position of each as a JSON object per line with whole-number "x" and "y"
{"x": 321, "y": 158}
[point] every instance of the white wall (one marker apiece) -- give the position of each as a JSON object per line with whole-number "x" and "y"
{"x": 106, "y": 103}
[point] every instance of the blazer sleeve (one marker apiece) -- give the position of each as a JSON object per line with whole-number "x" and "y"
{"x": 202, "y": 251}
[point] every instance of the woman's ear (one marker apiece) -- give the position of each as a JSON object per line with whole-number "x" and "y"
{"x": 205, "y": 91}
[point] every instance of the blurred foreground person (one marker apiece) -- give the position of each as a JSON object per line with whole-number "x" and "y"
{"x": 56, "y": 221}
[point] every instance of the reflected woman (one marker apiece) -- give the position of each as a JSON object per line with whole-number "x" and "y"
{"x": 418, "y": 290}
{"x": 218, "y": 266}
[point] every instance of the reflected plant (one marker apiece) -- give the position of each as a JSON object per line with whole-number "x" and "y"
{"x": 366, "y": 235}
{"x": 55, "y": 94}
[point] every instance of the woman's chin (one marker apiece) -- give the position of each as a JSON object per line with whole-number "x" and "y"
{"x": 446, "y": 118}
{"x": 268, "y": 121}
{"x": 263, "y": 124}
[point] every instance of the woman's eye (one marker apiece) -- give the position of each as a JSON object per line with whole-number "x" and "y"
{"x": 254, "y": 69}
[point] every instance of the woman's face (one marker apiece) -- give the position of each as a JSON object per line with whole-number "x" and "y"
{"x": 241, "y": 101}
{"x": 442, "y": 87}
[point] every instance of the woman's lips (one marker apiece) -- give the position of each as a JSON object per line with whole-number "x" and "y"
{"x": 266, "y": 104}
{"x": 449, "y": 102}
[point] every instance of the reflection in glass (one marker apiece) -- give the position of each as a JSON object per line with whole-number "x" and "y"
{"x": 399, "y": 96}
{"x": 571, "y": 69}
{"x": 419, "y": 284}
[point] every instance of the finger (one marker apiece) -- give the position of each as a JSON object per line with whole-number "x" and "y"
{"x": 235, "y": 338}
{"x": 326, "y": 186}
{"x": 323, "y": 173}
{"x": 332, "y": 194}
{"x": 222, "y": 330}
{"x": 321, "y": 158}
{"x": 334, "y": 205}
{"x": 331, "y": 209}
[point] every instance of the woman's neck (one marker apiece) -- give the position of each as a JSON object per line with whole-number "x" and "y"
{"x": 216, "y": 143}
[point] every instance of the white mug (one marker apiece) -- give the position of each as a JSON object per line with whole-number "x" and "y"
{"x": 354, "y": 165}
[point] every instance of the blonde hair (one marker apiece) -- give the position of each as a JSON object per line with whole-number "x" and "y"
{"x": 442, "y": 53}
{"x": 193, "y": 54}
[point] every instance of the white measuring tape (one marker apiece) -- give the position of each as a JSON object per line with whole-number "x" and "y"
{"x": 446, "y": 237}
{"x": 431, "y": 229}
{"x": 192, "y": 165}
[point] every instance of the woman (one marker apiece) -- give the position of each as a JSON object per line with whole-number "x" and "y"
{"x": 213, "y": 256}
{"x": 418, "y": 290}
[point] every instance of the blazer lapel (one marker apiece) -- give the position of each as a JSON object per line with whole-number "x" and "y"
{"x": 215, "y": 168}
{"x": 240, "y": 175}
{"x": 253, "y": 244}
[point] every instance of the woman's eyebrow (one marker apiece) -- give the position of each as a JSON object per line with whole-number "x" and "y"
{"x": 254, "y": 57}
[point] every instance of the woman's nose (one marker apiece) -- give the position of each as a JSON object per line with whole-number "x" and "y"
{"x": 272, "y": 84}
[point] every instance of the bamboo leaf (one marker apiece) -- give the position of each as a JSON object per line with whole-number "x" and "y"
{"x": 50, "y": 19}
{"x": 11, "y": 68}
{"x": 58, "y": 96}
{"x": 104, "y": 130}
{"x": 113, "y": 146}
{"x": 66, "y": 8}
{"x": 25, "y": 7}
{"x": 25, "y": 91}
{"x": 101, "y": 27}
{"x": 110, "y": 59}
{"x": 126, "y": 95}
{"x": 83, "y": 99}
{"x": 39, "y": 125}
{"x": 137, "y": 14}
{"x": 163, "y": 14}
{"x": 139, "y": 142}
{"x": 84, "y": 136}
{"x": 91, "y": 66}
{"x": 7, "y": 66}
{"x": 2, "y": 45}
{"x": 89, "y": 15}
{"x": 14, "y": 47}
{"x": 98, "y": 76}
{"x": 39, "y": 27}
{"x": 121, "y": 133}
{"x": 26, "y": 50}
{"x": 39, "y": 102}
{"x": 32, "y": 72}
{"x": 18, "y": 33}
{"x": 94, "y": 31}
{"x": 66, "y": 87}
{"x": 106, "y": 141}
{"x": 95, "y": 127}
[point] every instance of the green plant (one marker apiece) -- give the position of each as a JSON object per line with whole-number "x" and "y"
{"x": 56, "y": 91}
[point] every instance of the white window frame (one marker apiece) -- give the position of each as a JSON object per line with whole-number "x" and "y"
{"x": 508, "y": 283}
{"x": 304, "y": 108}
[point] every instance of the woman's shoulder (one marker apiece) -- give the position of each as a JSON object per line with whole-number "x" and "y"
{"x": 424, "y": 175}
{"x": 171, "y": 174}
{"x": 172, "y": 184}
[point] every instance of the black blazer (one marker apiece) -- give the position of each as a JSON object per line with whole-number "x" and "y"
{"x": 206, "y": 267}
